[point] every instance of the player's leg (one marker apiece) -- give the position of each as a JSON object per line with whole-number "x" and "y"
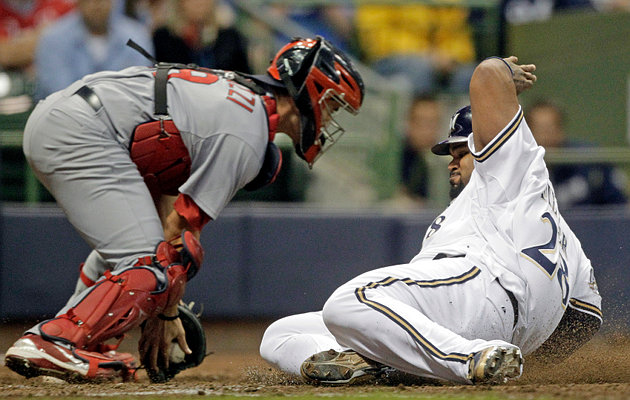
{"x": 90, "y": 271}
{"x": 75, "y": 154}
{"x": 289, "y": 341}
{"x": 428, "y": 319}
{"x": 94, "y": 266}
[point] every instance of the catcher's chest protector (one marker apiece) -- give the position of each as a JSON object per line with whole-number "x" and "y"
{"x": 159, "y": 153}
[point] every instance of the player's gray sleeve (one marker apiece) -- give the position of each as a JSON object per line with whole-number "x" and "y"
{"x": 222, "y": 164}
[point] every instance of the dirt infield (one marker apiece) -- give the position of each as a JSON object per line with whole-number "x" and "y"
{"x": 599, "y": 370}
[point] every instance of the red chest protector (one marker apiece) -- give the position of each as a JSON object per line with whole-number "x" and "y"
{"x": 159, "y": 153}
{"x": 162, "y": 158}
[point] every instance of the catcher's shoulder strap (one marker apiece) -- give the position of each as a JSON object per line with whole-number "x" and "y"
{"x": 162, "y": 75}
{"x": 159, "y": 90}
{"x": 161, "y": 78}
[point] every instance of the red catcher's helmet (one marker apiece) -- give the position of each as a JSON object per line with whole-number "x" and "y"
{"x": 320, "y": 79}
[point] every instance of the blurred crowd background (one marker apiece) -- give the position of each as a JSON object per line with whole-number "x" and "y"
{"x": 416, "y": 57}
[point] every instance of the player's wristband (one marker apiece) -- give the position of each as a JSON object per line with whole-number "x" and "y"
{"x": 504, "y": 62}
{"x": 167, "y": 318}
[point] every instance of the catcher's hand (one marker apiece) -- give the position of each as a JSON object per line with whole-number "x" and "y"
{"x": 177, "y": 360}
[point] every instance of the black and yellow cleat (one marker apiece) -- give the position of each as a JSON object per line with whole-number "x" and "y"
{"x": 495, "y": 365}
{"x": 338, "y": 368}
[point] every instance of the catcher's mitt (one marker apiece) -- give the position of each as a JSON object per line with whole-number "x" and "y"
{"x": 178, "y": 360}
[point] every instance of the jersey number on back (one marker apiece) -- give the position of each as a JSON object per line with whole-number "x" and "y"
{"x": 236, "y": 94}
{"x": 536, "y": 254}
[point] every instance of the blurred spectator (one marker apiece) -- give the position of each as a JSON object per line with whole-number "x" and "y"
{"x": 140, "y": 10}
{"x": 524, "y": 11}
{"x": 612, "y": 5}
{"x": 332, "y": 21}
{"x": 430, "y": 47}
{"x": 194, "y": 33}
{"x": 423, "y": 129}
{"x": 89, "y": 40}
{"x": 21, "y": 22}
{"x": 575, "y": 185}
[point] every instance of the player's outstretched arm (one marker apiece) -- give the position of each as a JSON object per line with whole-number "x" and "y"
{"x": 494, "y": 87}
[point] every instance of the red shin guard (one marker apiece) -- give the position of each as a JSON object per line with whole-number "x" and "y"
{"x": 110, "y": 308}
{"x": 121, "y": 302}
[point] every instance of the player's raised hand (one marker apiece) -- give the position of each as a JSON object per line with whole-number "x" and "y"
{"x": 523, "y": 74}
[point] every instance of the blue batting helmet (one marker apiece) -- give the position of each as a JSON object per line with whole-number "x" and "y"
{"x": 461, "y": 128}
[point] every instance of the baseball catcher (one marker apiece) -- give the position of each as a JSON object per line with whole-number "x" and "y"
{"x": 114, "y": 147}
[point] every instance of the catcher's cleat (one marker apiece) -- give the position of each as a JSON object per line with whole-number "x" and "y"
{"x": 495, "y": 364}
{"x": 33, "y": 356}
{"x": 336, "y": 368}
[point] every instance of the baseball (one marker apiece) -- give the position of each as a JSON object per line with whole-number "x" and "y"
{"x": 177, "y": 355}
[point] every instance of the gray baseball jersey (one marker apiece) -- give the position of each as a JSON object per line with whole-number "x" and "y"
{"x": 209, "y": 111}
{"x": 82, "y": 155}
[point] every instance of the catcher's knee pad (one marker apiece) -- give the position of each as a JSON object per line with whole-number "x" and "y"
{"x": 121, "y": 302}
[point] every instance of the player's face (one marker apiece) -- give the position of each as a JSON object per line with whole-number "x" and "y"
{"x": 330, "y": 108}
{"x": 460, "y": 168}
{"x": 425, "y": 120}
{"x": 329, "y": 128}
{"x": 95, "y": 14}
{"x": 197, "y": 12}
{"x": 329, "y": 105}
{"x": 546, "y": 125}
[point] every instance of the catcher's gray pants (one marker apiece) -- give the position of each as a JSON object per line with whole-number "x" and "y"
{"x": 74, "y": 153}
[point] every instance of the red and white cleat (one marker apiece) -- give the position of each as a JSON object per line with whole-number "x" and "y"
{"x": 33, "y": 356}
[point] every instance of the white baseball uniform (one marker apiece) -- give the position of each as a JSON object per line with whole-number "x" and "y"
{"x": 82, "y": 155}
{"x": 500, "y": 264}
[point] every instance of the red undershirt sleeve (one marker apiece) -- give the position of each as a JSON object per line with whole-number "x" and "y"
{"x": 186, "y": 207}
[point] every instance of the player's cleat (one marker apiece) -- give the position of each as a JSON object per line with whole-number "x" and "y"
{"x": 496, "y": 364}
{"x": 336, "y": 368}
{"x": 33, "y": 356}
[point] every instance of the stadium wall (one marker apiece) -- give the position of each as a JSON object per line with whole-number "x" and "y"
{"x": 271, "y": 262}
{"x": 581, "y": 65}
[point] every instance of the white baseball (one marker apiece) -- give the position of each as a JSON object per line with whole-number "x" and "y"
{"x": 177, "y": 355}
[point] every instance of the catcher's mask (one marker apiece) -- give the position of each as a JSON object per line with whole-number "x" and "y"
{"x": 461, "y": 128}
{"x": 321, "y": 80}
